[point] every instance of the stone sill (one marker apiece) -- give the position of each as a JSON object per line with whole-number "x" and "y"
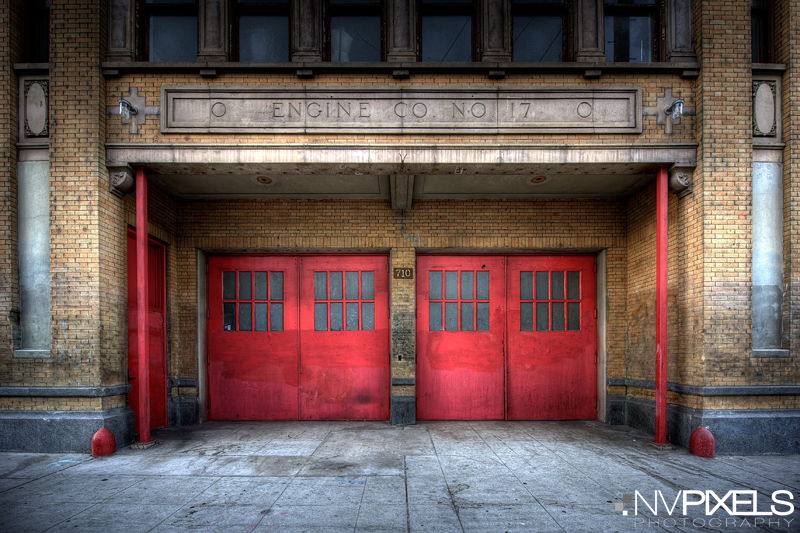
{"x": 401, "y": 70}
{"x": 770, "y": 353}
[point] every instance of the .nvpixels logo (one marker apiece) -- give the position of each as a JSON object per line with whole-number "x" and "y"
{"x": 737, "y": 508}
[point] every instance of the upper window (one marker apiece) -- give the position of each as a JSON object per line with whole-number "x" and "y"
{"x": 447, "y": 31}
{"x": 539, "y": 30}
{"x": 36, "y": 44}
{"x": 631, "y": 30}
{"x": 355, "y": 30}
{"x": 171, "y": 33}
{"x": 761, "y": 13}
{"x": 263, "y": 28}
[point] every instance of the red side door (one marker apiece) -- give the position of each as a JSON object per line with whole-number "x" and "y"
{"x": 344, "y": 335}
{"x": 552, "y": 338}
{"x": 460, "y": 330}
{"x": 253, "y": 341}
{"x": 156, "y": 332}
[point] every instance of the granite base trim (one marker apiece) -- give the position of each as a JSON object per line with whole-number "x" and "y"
{"x": 62, "y": 431}
{"x": 183, "y": 411}
{"x": 404, "y": 410}
{"x": 66, "y": 392}
{"x": 715, "y": 390}
{"x": 736, "y": 431}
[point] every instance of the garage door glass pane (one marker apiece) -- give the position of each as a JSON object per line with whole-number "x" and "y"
{"x": 526, "y": 317}
{"x": 261, "y": 317}
{"x": 245, "y": 287}
{"x": 466, "y": 317}
{"x": 351, "y": 281}
{"x": 368, "y": 316}
{"x": 451, "y": 316}
{"x": 321, "y": 287}
{"x": 367, "y": 285}
{"x": 574, "y": 322}
{"x": 336, "y": 285}
{"x": 558, "y": 316}
{"x": 451, "y": 285}
{"x": 466, "y": 285}
{"x": 542, "y": 289}
{"x": 526, "y": 285}
{"x": 483, "y": 285}
{"x": 574, "y": 285}
{"x": 436, "y": 316}
{"x": 229, "y": 285}
{"x": 245, "y": 317}
{"x": 542, "y": 317}
{"x": 229, "y": 317}
{"x": 483, "y": 316}
{"x": 336, "y": 317}
{"x": 320, "y": 317}
{"x": 352, "y": 316}
{"x": 276, "y": 317}
{"x": 261, "y": 285}
{"x": 558, "y": 286}
{"x": 276, "y": 285}
{"x": 435, "y": 287}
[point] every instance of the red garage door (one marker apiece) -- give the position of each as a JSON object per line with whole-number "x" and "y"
{"x": 298, "y": 337}
{"x": 506, "y": 338}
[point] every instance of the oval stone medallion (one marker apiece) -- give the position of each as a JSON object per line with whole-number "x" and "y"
{"x": 36, "y": 109}
{"x": 764, "y": 108}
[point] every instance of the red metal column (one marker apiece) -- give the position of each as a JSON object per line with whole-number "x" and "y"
{"x": 142, "y": 307}
{"x": 662, "y": 203}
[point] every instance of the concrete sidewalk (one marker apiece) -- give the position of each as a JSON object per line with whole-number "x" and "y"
{"x": 370, "y": 476}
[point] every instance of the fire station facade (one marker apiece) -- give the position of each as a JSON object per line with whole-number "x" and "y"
{"x": 399, "y": 211}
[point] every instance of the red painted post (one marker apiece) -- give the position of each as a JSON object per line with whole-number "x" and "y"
{"x": 142, "y": 307}
{"x": 662, "y": 203}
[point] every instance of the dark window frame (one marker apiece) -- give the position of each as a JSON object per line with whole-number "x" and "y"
{"x": 354, "y": 9}
{"x": 767, "y": 27}
{"x": 238, "y": 10}
{"x": 145, "y": 10}
{"x": 564, "y": 10}
{"x": 658, "y": 23}
{"x": 444, "y": 8}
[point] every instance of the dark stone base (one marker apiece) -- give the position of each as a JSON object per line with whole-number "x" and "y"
{"x": 736, "y": 432}
{"x": 404, "y": 410}
{"x": 183, "y": 411}
{"x": 62, "y": 431}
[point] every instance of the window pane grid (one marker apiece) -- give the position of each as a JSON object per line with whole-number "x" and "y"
{"x": 252, "y": 301}
{"x": 463, "y": 305}
{"x": 338, "y": 297}
{"x": 554, "y": 304}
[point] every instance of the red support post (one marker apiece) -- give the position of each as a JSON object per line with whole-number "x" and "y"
{"x": 142, "y": 307}
{"x": 662, "y": 203}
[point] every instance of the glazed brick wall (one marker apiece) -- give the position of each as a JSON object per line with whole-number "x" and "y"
{"x": 88, "y": 328}
{"x": 10, "y": 51}
{"x": 787, "y": 41}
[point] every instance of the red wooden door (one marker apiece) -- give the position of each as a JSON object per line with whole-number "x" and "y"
{"x": 460, "y": 330}
{"x": 552, "y": 338}
{"x": 344, "y": 332}
{"x": 156, "y": 332}
{"x": 253, "y": 338}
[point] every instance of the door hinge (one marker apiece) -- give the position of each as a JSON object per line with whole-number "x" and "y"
{"x": 208, "y": 313}
{"x": 595, "y": 313}
{"x": 595, "y": 358}
{"x": 206, "y": 268}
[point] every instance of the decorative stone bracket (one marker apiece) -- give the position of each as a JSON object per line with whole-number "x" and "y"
{"x": 680, "y": 180}
{"x": 121, "y": 179}
{"x": 138, "y": 102}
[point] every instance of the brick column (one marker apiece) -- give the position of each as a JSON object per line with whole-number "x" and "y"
{"x": 403, "y": 338}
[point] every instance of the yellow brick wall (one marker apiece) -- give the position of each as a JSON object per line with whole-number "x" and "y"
{"x": 10, "y": 50}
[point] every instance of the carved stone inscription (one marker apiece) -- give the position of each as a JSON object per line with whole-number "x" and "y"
{"x": 318, "y": 110}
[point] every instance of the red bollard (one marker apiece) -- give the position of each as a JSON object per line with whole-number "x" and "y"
{"x": 702, "y": 443}
{"x": 103, "y": 443}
